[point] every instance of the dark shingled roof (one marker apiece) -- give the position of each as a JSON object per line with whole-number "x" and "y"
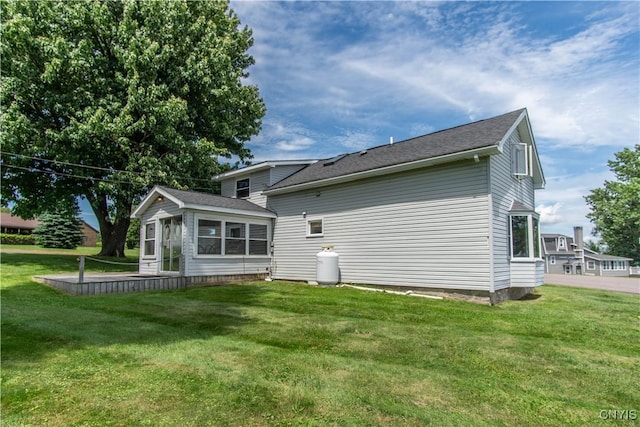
{"x": 212, "y": 200}
{"x": 480, "y": 134}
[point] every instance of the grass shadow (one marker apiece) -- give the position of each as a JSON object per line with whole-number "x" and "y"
{"x": 37, "y": 320}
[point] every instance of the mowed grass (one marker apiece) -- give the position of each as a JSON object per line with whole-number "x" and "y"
{"x": 290, "y": 354}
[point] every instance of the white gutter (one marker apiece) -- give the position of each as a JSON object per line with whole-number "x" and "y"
{"x": 261, "y": 166}
{"x": 484, "y": 151}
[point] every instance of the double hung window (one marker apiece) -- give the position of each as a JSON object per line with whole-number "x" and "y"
{"x": 243, "y": 188}
{"x": 209, "y": 237}
{"x": 150, "y": 239}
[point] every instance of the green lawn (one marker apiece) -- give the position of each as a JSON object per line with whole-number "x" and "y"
{"x": 290, "y": 354}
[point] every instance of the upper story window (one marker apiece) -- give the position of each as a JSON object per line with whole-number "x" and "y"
{"x": 242, "y": 188}
{"x": 525, "y": 236}
{"x": 520, "y": 159}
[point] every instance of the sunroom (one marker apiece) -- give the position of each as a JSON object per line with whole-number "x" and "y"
{"x": 186, "y": 233}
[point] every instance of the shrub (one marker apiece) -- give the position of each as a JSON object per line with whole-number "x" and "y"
{"x": 17, "y": 239}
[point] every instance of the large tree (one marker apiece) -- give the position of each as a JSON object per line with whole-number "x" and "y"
{"x": 103, "y": 99}
{"x": 615, "y": 208}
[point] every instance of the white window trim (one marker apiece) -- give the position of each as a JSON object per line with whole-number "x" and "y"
{"x": 562, "y": 243}
{"x": 533, "y": 240}
{"x": 155, "y": 240}
{"x": 552, "y": 259}
{"x": 591, "y": 265}
{"x": 520, "y": 147}
{"x": 223, "y": 223}
{"x": 308, "y": 225}
{"x": 197, "y": 236}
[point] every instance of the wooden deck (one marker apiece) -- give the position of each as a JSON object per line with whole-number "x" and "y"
{"x": 111, "y": 283}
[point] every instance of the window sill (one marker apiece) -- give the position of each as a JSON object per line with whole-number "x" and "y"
{"x": 314, "y": 235}
{"x": 209, "y": 256}
{"x": 526, "y": 260}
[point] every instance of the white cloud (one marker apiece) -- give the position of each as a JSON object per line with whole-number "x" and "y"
{"x": 549, "y": 214}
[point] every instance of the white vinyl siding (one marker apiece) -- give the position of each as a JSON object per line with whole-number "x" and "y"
{"x": 423, "y": 228}
{"x": 505, "y": 189}
{"x": 527, "y": 274}
{"x": 258, "y": 182}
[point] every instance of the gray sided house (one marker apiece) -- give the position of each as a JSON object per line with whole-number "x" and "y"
{"x": 567, "y": 255}
{"x": 451, "y": 210}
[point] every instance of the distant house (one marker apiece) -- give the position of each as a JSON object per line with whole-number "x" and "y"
{"x": 451, "y": 210}
{"x": 11, "y": 224}
{"x": 90, "y": 235}
{"x": 567, "y": 255}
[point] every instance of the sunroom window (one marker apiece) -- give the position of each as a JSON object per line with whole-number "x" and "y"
{"x": 150, "y": 239}
{"x": 209, "y": 237}
{"x": 525, "y": 236}
{"x": 235, "y": 238}
{"x": 220, "y": 237}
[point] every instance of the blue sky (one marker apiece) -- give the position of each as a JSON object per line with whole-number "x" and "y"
{"x": 341, "y": 76}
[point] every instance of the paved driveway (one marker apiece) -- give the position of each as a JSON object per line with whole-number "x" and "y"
{"x": 630, "y": 285}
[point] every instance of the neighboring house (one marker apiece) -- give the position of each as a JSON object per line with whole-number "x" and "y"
{"x": 90, "y": 235}
{"x": 567, "y": 255}
{"x": 11, "y": 224}
{"x": 451, "y": 210}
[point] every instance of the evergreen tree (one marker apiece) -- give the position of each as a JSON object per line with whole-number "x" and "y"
{"x": 60, "y": 230}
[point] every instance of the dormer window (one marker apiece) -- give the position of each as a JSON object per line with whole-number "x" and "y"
{"x": 242, "y": 188}
{"x": 562, "y": 243}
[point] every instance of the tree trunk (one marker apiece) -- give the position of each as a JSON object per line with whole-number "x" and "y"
{"x": 113, "y": 233}
{"x": 114, "y": 238}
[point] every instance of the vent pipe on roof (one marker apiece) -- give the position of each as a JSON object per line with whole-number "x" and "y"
{"x": 390, "y": 140}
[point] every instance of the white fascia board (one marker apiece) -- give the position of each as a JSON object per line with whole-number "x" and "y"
{"x": 527, "y": 134}
{"x": 261, "y": 166}
{"x": 150, "y": 198}
{"x": 230, "y": 211}
{"x": 484, "y": 151}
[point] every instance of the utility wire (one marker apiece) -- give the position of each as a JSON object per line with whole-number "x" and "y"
{"x": 70, "y": 175}
{"x": 88, "y": 166}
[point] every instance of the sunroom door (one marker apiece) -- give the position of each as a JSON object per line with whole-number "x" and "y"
{"x": 171, "y": 244}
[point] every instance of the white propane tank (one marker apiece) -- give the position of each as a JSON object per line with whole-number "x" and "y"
{"x": 327, "y": 269}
